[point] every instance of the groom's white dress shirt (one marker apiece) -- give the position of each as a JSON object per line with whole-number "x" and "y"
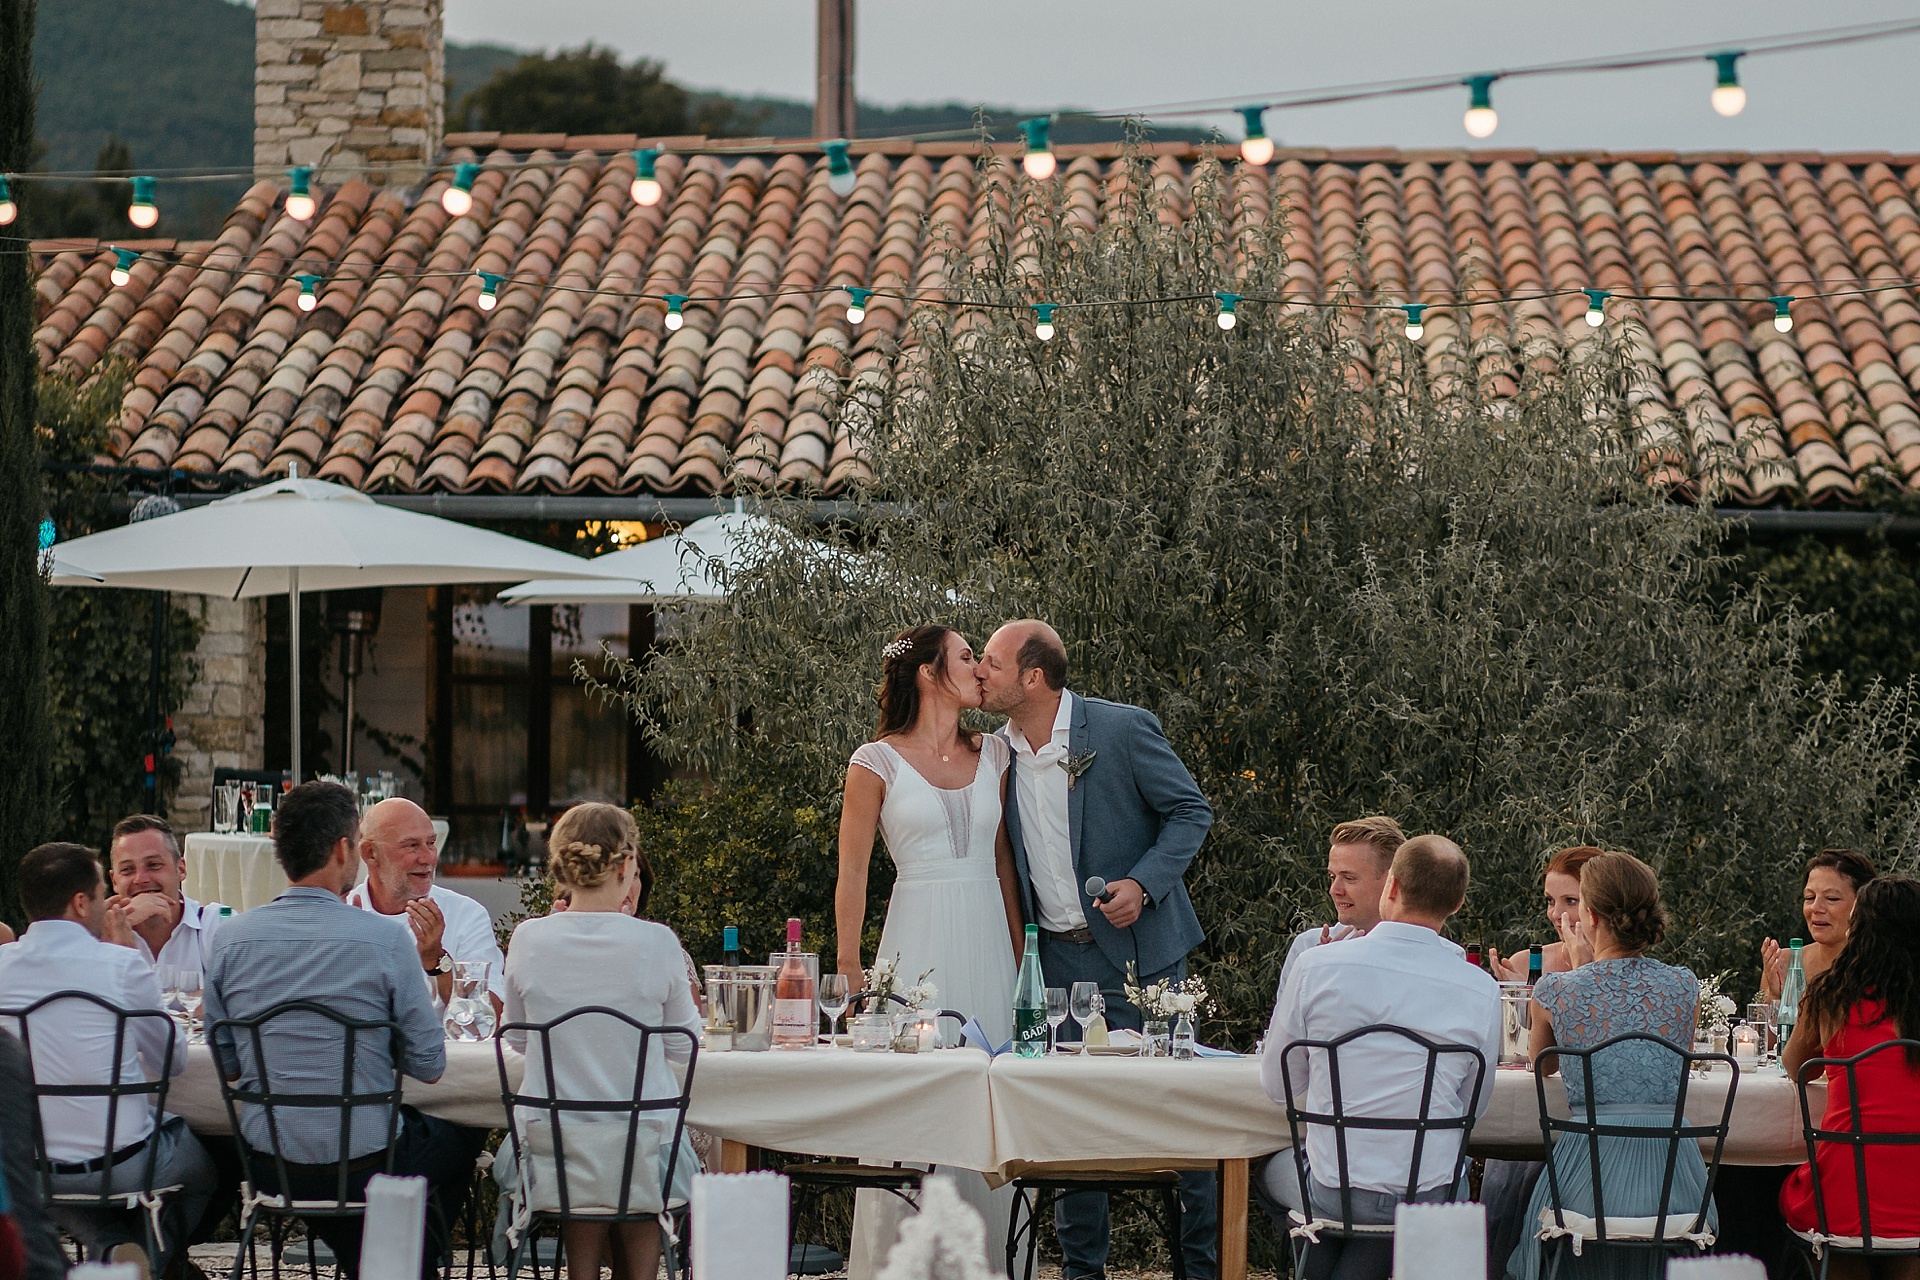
{"x": 1397, "y": 974}
{"x": 1042, "y": 798}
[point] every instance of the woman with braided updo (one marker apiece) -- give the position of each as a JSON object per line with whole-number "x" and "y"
{"x": 1612, "y": 989}
{"x": 597, "y": 953}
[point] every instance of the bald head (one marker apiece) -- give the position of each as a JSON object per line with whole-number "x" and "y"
{"x": 1023, "y": 660}
{"x": 399, "y": 847}
{"x": 1427, "y": 882}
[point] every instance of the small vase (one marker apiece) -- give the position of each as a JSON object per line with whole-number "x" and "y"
{"x": 1182, "y": 1044}
{"x": 871, "y": 1032}
{"x": 1154, "y": 1038}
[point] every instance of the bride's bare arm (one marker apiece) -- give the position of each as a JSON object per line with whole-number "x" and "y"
{"x": 859, "y": 819}
{"x": 1009, "y": 877}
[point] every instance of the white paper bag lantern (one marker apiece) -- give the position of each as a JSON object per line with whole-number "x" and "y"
{"x": 1440, "y": 1242}
{"x": 395, "y": 1234}
{"x": 1730, "y": 1266}
{"x": 739, "y": 1226}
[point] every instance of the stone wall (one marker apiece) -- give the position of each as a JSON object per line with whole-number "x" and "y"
{"x": 341, "y": 86}
{"x": 222, "y": 722}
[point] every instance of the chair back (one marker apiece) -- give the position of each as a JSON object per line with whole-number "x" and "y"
{"x": 545, "y": 1126}
{"x": 286, "y": 1108}
{"x": 111, "y": 1091}
{"x": 1856, "y": 1136}
{"x": 1419, "y": 1120}
{"x": 1589, "y": 1127}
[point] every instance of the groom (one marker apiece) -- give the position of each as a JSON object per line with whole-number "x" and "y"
{"x": 1097, "y": 791}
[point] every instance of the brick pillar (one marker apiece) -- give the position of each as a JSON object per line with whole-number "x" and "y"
{"x": 339, "y": 86}
{"x": 222, "y": 721}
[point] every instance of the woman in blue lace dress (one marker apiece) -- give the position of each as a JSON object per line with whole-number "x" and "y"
{"x": 1614, "y": 989}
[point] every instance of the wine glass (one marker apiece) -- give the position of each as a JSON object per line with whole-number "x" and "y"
{"x": 191, "y": 998}
{"x": 1056, "y": 1014}
{"x": 834, "y": 994}
{"x": 1080, "y": 1005}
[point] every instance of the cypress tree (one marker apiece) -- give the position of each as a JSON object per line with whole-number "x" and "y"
{"x": 23, "y": 593}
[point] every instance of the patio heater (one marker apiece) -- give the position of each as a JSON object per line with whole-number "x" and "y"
{"x": 354, "y": 615}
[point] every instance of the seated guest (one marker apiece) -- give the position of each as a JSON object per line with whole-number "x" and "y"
{"x": 638, "y": 969}
{"x": 1834, "y": 880}
{"x": 1561, "y": 884}
{"x": 1402, "y": 973}
{"x": 1870, "y": 994}
{"x": 308, "y": 944}
{"x": 76, "y": 941}
{"x": 1358, "y": 856}
{"x": 45, "y": 1260}
{"x": 148, "y": 869}
{"x": 1613, "y": 989}
{"x": 399, "y": 847}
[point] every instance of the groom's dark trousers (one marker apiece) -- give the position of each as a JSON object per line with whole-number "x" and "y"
{"x": 1080, "y": 1219}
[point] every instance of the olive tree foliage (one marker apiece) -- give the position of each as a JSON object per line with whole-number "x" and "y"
{"x": 1448, "y": 582}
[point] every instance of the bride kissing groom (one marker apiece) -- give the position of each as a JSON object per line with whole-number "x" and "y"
{"x": 990, "y": 831}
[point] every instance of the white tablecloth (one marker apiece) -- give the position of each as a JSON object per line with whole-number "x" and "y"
{"x": 240, "y": 870}
{"x": 953, "y": 1107}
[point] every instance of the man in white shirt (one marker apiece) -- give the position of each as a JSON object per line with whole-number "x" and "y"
{"x": 148, "y": 870}
{"x": 1357, "y": 860}
{"x": 399, "y": 847}
{"x": 77, "y": 941}
{"x": 1402, "y": 973}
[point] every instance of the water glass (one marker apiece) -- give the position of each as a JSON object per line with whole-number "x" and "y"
{"x": 1760, "y": 1014}
{"x": 226, "y": 807}
{"x": 833, "y": 995}
{"x": 469, "y": 1013}
{"x": 191, "y": 997}
{"x": 1080, "y": 1004}
{"x": 1056, "y": 1014}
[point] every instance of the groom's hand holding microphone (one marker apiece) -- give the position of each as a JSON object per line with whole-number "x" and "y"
{"x": 1120, "y": 901}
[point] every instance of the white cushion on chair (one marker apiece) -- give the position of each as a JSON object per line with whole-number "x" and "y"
{"x": 1309, "y": 1229}
{"x": 1580, "y": 1228}
{"x": 1819, "y": 1241}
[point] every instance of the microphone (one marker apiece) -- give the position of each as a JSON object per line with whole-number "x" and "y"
{"x": 1097, "y": 890}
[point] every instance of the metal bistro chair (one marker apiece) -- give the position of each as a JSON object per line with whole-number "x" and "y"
{"x": 112, "y": 1092}
{"x": 282, "y": 1207}
{"x": 1308, "y": 1227}
{"x": 1662, "y": 1230}
{"x": 1824, "y": 1242}
{"x": 639, "y": 1111}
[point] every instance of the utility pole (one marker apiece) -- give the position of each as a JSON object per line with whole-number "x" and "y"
{"x": 833, "y": 109}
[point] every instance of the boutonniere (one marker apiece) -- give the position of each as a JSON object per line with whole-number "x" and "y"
{"x": 1077, "y": 765}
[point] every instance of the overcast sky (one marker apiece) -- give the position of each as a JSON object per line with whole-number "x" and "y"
{"x": 1114, "y": 54}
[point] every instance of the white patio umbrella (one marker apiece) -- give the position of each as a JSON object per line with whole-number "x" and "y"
{"x": 296, "y": 535}
{"x": 676, "y": 568}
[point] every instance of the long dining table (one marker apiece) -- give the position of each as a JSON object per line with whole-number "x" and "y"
{"x": 1008, "y": 1116}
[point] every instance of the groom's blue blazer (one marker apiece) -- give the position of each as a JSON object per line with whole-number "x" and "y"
{"x": 1135, "y": 814}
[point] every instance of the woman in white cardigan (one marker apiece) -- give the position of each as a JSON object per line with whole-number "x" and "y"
{"x": 595, "y": 953}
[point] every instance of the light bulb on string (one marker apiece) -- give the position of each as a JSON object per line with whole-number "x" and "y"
{"x": 309, "y": 292}
{"x": 857, "y": 309}
{"x": 1729, "y": 99}
{"x": 300, "y": 202}
{"x": 840, "y": 175}
{"x": 1596, "y": 307}
{"x": 1039, "y": 161}
{"x": 123, "y": 260}
{"x": 8, "y": 209}
{"x": 1227, "y": 303}
{"x": 489, "y": 289}
{"x": 646, "y": 184}
{"x": 1481, "y": 119}
{"x": 1782, "y": 317}
{"x": 1043, "y": 320}
{"x": 675, "y": 318}
{"x": 1256, "y": 147}
{"x": 457, "y": 199}
{"x": 1416, "y": 327}
{"x": 142, "y": 213}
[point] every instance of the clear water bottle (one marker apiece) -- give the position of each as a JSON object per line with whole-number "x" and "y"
{"x": 470, "y": 1011}
{"x": 1182, "y": 1046}
{"x": 1792, "y": 988}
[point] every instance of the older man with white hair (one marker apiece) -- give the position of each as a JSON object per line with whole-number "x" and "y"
{"x": 398, "y": 845}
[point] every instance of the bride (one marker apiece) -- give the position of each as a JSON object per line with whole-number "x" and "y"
{"x": 935, "y": 792}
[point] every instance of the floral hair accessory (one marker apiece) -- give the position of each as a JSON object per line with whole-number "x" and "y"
{"x": 897, "y": 649}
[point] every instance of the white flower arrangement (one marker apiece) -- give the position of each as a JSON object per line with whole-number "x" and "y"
{"x": 1716, "y": 1010}
{"x": 1165, "y": 1000}
{"x": 883, "y": 980}
{"x": 946, "y": 1240}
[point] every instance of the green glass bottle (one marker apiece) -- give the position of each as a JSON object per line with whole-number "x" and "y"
{"x": 1792, "y": 988}
{"x": 1030, "y": 1001}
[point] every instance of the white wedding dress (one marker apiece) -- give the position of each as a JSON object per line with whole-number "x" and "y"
{"x": 946, "y": 914}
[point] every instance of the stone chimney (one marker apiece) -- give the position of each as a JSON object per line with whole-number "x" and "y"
{"x": 354, "y": 90}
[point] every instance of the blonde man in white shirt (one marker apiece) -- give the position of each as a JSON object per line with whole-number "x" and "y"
{"x": 148, "y": 872}
{"x": 1358, "y": 855}
{"x": 398, "y": 844}
{"x": 77, "y": 941}
{"x": 1402, "y": 973}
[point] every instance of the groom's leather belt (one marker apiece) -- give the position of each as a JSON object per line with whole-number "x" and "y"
{"x": 1082, "y": 935}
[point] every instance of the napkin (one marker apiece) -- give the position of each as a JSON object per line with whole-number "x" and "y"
{"x": 739, "y": 1226}
{"x": 395, "y": 1233}
{"x": 976, "y": 1035}
{"x": 1440, "y": 1242}
{"x": 1726, "y": 1266}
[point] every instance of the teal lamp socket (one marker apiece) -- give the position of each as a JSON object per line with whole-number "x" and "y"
{"x": 840, "y": 176}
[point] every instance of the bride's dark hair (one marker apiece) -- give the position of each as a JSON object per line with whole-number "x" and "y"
{"x": 901, "y": 660}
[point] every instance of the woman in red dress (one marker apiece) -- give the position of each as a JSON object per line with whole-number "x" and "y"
{"x": 1870, "y": 995}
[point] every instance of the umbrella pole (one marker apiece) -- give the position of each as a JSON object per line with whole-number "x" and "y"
{"x": 293, "y": 666}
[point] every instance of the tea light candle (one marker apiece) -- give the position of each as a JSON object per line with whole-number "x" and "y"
{"x": 1746, "y": 1045}
{"x": 926, "y": 1030}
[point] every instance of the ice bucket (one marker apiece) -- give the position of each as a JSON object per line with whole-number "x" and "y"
{"x": 740, "y": 997}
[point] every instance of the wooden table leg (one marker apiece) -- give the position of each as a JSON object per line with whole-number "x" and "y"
{"x": 1233, "y": 1220}
{"x": 734, "y": 1158}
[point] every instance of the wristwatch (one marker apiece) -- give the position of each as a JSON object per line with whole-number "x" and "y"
{"x": 444, "y": 966}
